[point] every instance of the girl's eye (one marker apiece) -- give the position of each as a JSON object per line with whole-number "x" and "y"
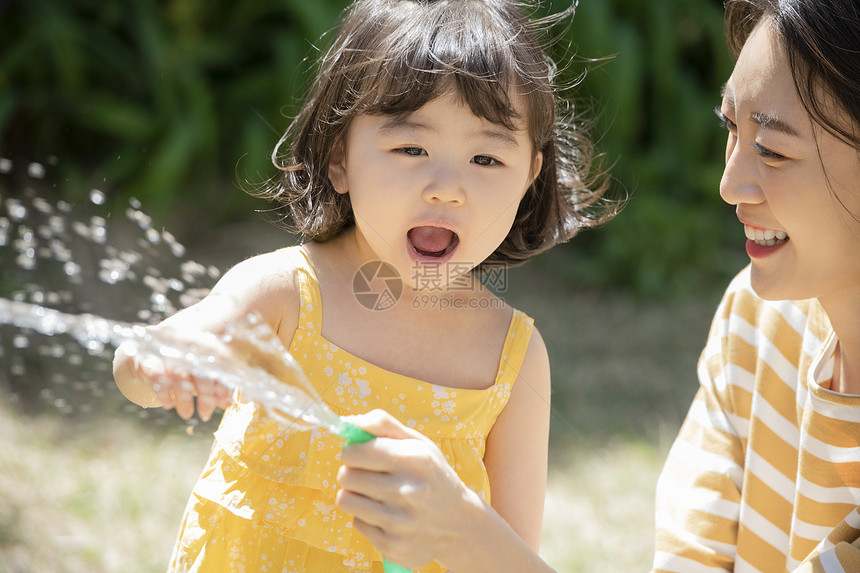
{"x": 485, "y": 160}
{"x": 415, "y": 151}
{"x": 766, "y": 153}
{"x": 725, "y": 121}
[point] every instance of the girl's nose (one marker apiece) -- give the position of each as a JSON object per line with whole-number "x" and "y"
{"x": 446, "y": 186}
{"x": 740, "y": 182}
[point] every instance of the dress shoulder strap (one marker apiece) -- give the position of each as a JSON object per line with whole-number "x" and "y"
{"x": 310, "y": 313}
{"x": 514, "y": 349}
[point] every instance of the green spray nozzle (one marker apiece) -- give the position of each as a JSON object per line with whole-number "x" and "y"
{"x": 355, "y": 435}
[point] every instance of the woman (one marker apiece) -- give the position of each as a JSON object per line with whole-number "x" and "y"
{"x": 765, "y": 473}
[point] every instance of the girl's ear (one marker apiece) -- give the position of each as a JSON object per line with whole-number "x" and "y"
{"x": 337, "y": 169}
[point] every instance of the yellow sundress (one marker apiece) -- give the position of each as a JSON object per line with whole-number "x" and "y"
{"x": 265, "y": 499}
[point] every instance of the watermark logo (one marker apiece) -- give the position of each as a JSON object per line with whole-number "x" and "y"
{"x": 377, "y": 285}
{"x": 459, "y": 277}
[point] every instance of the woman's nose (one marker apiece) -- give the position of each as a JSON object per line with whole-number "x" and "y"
{"x": 740, "y": 182}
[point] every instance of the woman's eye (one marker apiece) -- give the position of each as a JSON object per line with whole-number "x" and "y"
{"x": 485, "y": 160}
{"x": 724, "y": 120}
{"x": 767, "y": 153}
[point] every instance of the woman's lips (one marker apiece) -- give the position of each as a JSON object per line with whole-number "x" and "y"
{"x": 765, "y": 237}
{"x": 763, "y": 242}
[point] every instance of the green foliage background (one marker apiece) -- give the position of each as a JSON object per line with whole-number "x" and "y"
{"x": 180, "y": 102}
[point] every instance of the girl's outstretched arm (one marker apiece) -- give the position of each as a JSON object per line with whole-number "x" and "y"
{"x": 264, "y": 284}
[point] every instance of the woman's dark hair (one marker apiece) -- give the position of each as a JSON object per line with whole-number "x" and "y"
{"x": 392, "y": 57}
{"x": 821, "y": 39}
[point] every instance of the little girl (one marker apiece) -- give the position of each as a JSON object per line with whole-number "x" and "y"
{"x": 428, "y": 148}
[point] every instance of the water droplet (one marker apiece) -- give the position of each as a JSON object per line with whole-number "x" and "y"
{"x": 178, "y": 250}
{"x": 143, "y": 220}
{"x": 72, "y": 269}
{"x": 36, "y": 170}
{"x": 16, "y": 210}
{"x": 97, "y": 197}
{"x": 98, "y": 230}
{"x": 20, "y": 341}
{"x": 26, "y": 260}
{"x": 42, "y": 205}
{"x": 95, "y": 345}
{"x": 5, "y": 165}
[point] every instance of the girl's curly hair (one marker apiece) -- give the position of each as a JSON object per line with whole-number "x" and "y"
{"x": 393, "y": 56}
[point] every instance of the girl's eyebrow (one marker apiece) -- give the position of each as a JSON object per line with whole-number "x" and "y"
{"x": 765, "y": 119}
{"x": 500, "y": 135}
{"x": 402, "y": 123}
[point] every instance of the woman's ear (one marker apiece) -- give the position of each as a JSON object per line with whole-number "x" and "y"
{"x": 537, "y": 164}
{"x": 337, "y": 169}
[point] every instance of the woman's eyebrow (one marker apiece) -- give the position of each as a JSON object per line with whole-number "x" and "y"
{"x": 726, "y": 94}
{"x": 765, "y": 119}
{"x": 771, "y": 121}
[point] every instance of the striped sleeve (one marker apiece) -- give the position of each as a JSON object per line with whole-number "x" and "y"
{"x": 839, "y": 552}
{"x": 698, "y": 493}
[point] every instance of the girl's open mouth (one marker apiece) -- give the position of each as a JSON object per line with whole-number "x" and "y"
{"x": 435, "y": 242}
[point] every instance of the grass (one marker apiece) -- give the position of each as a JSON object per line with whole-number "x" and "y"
{"x": 93, "y": 495}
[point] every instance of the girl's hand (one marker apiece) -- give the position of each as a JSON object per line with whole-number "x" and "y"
{"x": 151, "y": 380}
{"x": 405, "y": 497}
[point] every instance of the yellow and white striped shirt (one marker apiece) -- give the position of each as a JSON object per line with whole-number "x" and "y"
{"x": 765, "y": 473}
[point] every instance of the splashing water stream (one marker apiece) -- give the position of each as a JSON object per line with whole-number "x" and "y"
{"x": 53, "y": 240}
{"x": 46, "y": 237}
{"x": 294, "y": 402}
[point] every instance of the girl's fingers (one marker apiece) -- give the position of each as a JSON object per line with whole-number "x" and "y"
{"x": 375, "y": 513}
{"x": 183, "y": 395}
{"x": 370, "y": 484}
{"x": 383, "y": 425}
{"x": 161, "y": 387}
{"x": 223, "y": 396}
{"x": 205, "y": 406}
{"x": 207, "y": 401}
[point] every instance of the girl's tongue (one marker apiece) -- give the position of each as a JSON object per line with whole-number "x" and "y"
{"x": 432, "y": 241}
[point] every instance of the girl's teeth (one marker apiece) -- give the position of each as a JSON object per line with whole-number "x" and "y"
{"x": 765, "y": 237}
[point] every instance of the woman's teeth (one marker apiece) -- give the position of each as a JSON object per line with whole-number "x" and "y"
{"x": 765, "y": 237}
